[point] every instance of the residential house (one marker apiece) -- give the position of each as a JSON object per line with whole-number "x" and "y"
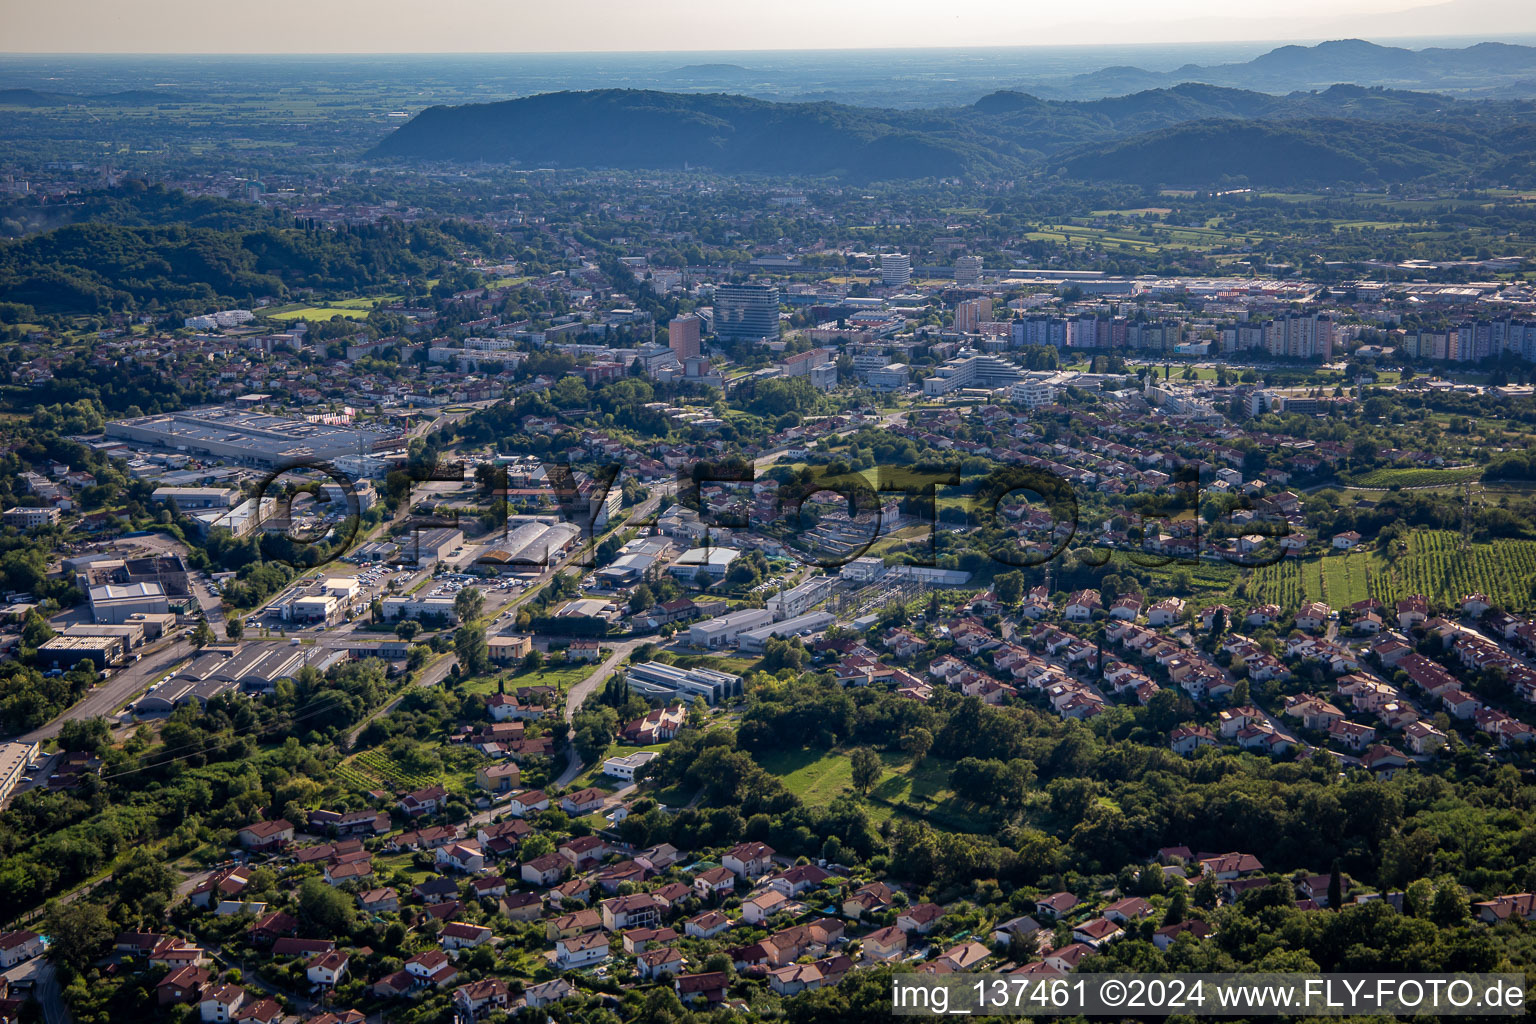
{"x": 581, "y": 950}
{"x": 748, "y": 860}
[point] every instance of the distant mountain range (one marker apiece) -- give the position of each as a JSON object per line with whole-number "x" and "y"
{"x": 1190, "y": 134}
{"x": 1484, "y": 69}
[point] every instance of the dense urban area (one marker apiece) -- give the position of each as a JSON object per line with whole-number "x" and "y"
{"x": 474, "y": 591}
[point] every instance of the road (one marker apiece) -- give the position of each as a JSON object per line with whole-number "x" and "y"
{"x": 125, "y": 684}
{"x": 578, "y": 694}
{"x": 45, "y": 989}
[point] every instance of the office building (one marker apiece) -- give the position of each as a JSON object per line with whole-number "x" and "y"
{"x": 755, "y": 641}
{"x": 708, "y": 564}
{"x": 895, "y": 269}
{"x": 654, "y": 679}
{"x": 974, "y": 371}
{"x": 683, "y": 335}
{"x": 801, "y": 598}
{"x": 889, "y": 378}
{"x": 746, "y": 312}
{"x": 24, "y": 517}
{"x": 722, "y": 630}
{"x": 968, "y": 270}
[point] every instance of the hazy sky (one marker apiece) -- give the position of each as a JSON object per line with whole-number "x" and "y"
{"x": 513, "y": 26}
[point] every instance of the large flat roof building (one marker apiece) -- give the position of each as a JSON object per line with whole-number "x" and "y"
{"x": 654, "y": 679}
{"x": 250, "y": 438}
{"x": 755, "y": 641}
{"x": 188, "y": 498}
{"x": 65, "y": 652}
{"x": 723, "y": 629}
{"x": 14, "y": 758}
{"x": 113, "y": 603}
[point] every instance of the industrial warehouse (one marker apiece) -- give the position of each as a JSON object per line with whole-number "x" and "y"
{"x": 251, "y": 438}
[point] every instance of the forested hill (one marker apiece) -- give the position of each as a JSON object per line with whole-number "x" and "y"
{"x": 1386, "y": 135}
{"x": 1313, "y": 152}
{"x": 644, "y": 129}
{"x": 99, "y": 267}
{"x": 135, "y": 204}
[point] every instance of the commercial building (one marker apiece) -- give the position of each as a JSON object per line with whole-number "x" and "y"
{"x": 431, "y": 545}
{"x": 654, "y": 679}
{"x": 801, "y": 598}
{"x": 14, "y": 758}
{"x": 895, "y": 269}
{"x": 755, "y": 641}
{"x": 24, "y": 518}
{"x": 254, "y": 668}
{"x": 683, "y": 334}
{"x": 698, "y": 564}
{"x": 326, "y": 609}
{"x": 131, "y": 633}
{"x": 65, "y": 652}
{"x": 250, "y": 438}
{"x": 636, "y": 561}
{"x": 419, "y": 607}
{"x": 746, "y": 312}
{"x": 722, "y": 631}
{"x": 117, "y": 603}
{"x": 242, "y": 520}
{"x": 533, "y": 542}
{"x": 972, "y": 371}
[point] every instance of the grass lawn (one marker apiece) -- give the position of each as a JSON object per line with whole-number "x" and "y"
{"x": 594, "y": 776}
{"x": 562, "y": 677}
{"x": 818, "y": 778}
{"x": 321, "y": 313}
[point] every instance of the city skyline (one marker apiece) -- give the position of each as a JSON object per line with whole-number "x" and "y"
{"x": 594, "y": 26}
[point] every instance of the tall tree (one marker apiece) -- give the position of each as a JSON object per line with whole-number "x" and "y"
{"x": 867, "y": 767}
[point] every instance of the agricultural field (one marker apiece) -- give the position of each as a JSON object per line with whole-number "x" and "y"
{"x": 379, "y": 769}
{"x": 374, "y": 769}
{"x": 1143, "y": 238}
{"x": 1205, "y": 582}
{"x": 1431, "y": 563}
{"x": 1388, "y": 477}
